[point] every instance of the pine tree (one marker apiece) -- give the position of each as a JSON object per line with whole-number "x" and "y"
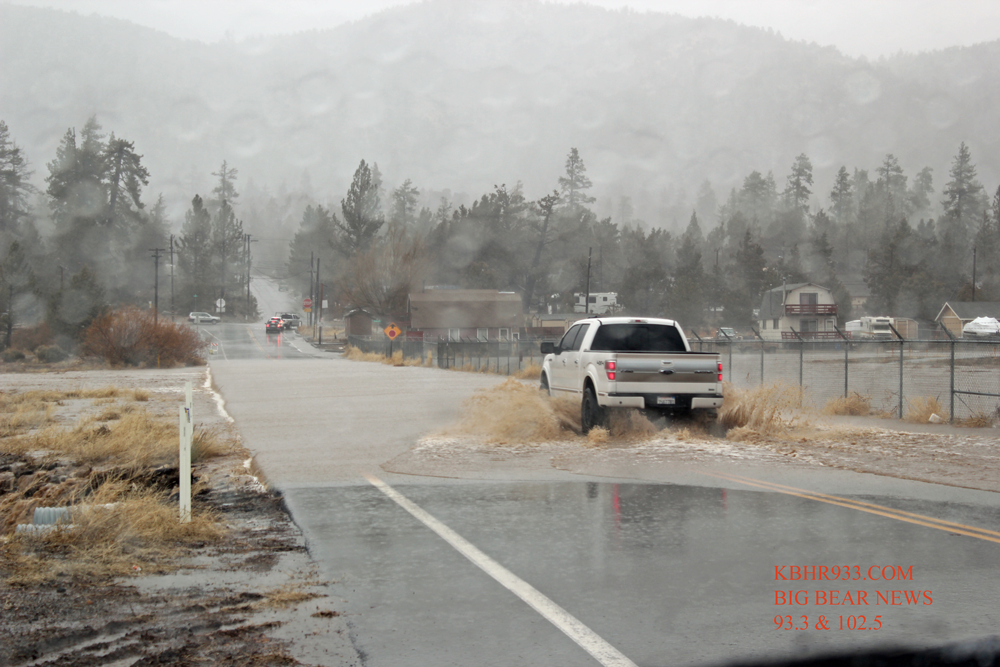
{"x": 575, "y": 182}
{"x": 404, "y": 203}
{"x": 225, "y": 191}
{"x": 361, "y": 210}
{"x": 842, "y": 198}
{"x": 14, "y": 182}
{"x": 963, "y": 199}
{"x": 800, "y": 179}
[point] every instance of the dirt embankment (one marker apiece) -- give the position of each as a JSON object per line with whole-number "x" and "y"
{"x": 124, "y": 582}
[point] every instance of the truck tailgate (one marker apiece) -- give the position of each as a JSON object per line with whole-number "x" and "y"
{"x": 667, "y": 373}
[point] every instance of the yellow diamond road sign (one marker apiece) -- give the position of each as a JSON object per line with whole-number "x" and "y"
{"x": 392, "y": 331}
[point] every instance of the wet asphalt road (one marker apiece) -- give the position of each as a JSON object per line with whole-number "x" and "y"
{"x": 675, "y": 568}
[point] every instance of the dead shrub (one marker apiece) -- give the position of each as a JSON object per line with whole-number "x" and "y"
{"x": 49, "y": 354}
{"x": 131, "y": 336}
{"x": 763, "y": 409}
{"x": 978, "y": 420}
{"x": 854, "y": 405}
{"x": 920, "y": 409}
{"x": 140, "y": 395}
{"x": 30, "y": 338}
{"x": 11, "y": 355}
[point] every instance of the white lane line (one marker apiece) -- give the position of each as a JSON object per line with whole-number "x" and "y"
{"x": 222, "y": 347}
{"x": 220, "y": 403}
{"x": 587, "y": 639}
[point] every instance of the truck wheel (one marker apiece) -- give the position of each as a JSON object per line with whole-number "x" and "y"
{"x": 543, "y": 385}
{"x": 591, "y": 413}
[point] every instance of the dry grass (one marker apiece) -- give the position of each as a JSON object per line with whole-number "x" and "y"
{"x": 855, "y": 404}
{"x": 286, "y": 596}
{"x": 134, "y": 440}
{"x": 978, "y": 420}
{"x": 140, "y": 395}
{"x": 139, "y": 530}
{"x": 766, "y": 409}
{"x": 530, "y": 372}
{"x": 510, "y": 412}
{"x": 920, "y": 409}
{"x": 355, "y": 354}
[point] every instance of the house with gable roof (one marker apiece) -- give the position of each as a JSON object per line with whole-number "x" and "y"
{"x": 807, "y": 309}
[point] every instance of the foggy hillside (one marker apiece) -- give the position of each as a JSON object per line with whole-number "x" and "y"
{"x": 465, "y": 95}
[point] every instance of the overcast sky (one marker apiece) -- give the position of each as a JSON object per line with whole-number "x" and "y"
{"x": 857, "y": 27}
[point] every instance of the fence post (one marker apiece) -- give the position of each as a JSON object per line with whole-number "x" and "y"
{"x": 761, "y": 339}
{"x": 802, "y": 345}
{"x": 729, "y": 341}
{"x": 951, "y": 386}
{"x": 846, "y": 346}
{"x": 902, "y": 344}
{"x": 695, "y": 334}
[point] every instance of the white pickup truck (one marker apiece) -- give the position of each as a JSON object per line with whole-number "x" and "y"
{"x": 631, "y": 362}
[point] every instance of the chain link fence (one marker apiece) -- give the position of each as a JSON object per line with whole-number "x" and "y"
{"x": 505, "y": 357}
{"x": 963, "y": 375}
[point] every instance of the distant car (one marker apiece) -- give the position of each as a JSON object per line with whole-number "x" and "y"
{"x": 274, "y": 325}
{"x": 292, "y": 321}
{"x": 282, "y": 288}
{"x": 982, "y": 327}
{"x": 203, "y": 318}
{"x": 727, "y": 333}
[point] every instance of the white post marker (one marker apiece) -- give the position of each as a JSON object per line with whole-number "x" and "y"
{"x": 186, "y": 433}
{"x": 587, "y": 639}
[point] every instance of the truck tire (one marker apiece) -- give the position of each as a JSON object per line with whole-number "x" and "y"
{"x": 591, "y": 413}
{"x": 543, "y": 385}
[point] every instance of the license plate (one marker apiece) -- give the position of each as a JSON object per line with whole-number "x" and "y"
{"x": 665, "y": 400}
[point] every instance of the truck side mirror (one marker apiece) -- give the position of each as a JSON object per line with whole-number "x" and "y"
{"x": 548, "y": 347}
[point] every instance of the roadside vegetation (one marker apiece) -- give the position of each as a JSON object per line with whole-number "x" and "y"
{"x": 114, "y": 467}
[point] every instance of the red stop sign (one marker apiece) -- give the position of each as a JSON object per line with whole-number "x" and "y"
{"x": 307, "y": 302}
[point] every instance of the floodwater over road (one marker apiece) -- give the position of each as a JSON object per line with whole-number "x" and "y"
{"x": 667, "y": 574}
{"x": 669, "y": 551}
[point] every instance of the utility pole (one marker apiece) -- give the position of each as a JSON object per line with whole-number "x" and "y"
{"x": 62, "y": 269}
{"x": 173, "y": 313}
{"x": 319, "y": 290}
{"x": 249, "y": 265}
{"x": 312, "y": 259}
{"x": 156, "y": 283}
{"x": 973, "y": 273}
{"x": 590, "y": 252}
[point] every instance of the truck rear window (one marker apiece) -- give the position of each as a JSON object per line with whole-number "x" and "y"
{"x": 636, "y": 337}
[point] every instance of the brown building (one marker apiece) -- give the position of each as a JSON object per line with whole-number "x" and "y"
{"x": 955, "y": 315}
{"x": 358, "y": 323}
{"x": 454, "y": 314}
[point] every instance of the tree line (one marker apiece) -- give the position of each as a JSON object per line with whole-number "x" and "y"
{"x": 878, "y": 229}
{"x": 87, "y": 241}
{"x": 90, "y": 240}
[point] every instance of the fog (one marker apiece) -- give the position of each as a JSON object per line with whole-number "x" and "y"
{"x": 697, "y": 161}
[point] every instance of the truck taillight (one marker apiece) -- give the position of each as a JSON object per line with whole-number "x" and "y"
{"x": 611, "y": 366}
{"x": 720, "y": 371}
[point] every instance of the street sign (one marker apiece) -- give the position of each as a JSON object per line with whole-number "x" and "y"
{"x": 308, "y": 309}
{"x": 392, "y": 331}
{"x": 220, "y": 303}
{"x": 307, "y": 303}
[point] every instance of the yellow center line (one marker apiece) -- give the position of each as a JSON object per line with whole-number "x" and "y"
{"x": 879, "y": 507}
{"x": 256, "y": 342}
{"x": 908, "y": 517}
